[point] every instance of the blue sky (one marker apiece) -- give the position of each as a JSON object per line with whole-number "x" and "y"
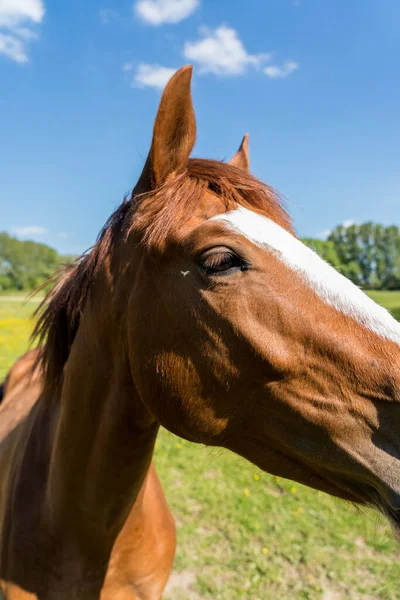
{"x": 316, "y": 83}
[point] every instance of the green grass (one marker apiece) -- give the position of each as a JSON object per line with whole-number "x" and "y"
{"x": 15, "y": 328}
{"x": 390, "y": 300}
{"x": 243, "y": 534}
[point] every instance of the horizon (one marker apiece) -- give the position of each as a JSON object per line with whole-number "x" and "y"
{"x": 26, "y": 236}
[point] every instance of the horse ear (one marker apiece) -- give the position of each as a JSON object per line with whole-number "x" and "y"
{"x": 241, "y": 160}
{"x": 174, "y": 133}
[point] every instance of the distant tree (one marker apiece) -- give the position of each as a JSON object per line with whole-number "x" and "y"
{"x": 388, "y": 267}
{"x": 325, "y": 249}
{"x": 25, "y": 265}
{"x": 369, "y": 254}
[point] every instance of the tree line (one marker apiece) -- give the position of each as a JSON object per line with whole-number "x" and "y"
{"x": 368, "y": 254}
{"x": 25, "y": 265}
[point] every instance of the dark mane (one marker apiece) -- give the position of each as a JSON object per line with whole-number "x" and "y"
{"x": 153, "y": 216}
{"x": 59, "y": 314}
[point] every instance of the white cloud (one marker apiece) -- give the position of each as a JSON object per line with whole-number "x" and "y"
{"x": 275, "y": 72}
{"x": 62, "y": 235}
{"x": 146, "y": 75}
{"x": 25, "y": 33}
{"x": 157, "y": 12}
{"x": 30, "y": 230}
{"x": 323, "y": 235}
{"x": 221, "y": 52}
{"x": 16, "y": 19}
{"x": 13, "y": 47}
{"x": 108, "y": 15}
{"x": 348, "y": 223}
{"x": 15, "y": 12}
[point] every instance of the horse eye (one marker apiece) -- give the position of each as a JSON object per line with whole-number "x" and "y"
{"x": 221, "y": 262}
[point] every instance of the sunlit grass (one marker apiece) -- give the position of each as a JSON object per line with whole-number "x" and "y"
{"x": 390, "y": 300}
{"x": 269, "y": 538}
{"x": 16, "y": 325}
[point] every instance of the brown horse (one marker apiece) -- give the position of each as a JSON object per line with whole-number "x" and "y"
{"x": 197, "y": 309}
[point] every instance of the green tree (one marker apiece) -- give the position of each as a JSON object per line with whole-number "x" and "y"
{"x": 369, "y": 254}
{"x": 25, "y": 265}
{"x": 325, "y": 249}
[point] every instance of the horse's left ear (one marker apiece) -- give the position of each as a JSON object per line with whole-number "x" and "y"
{"x": 241, "y": 160}
{"x": 174, "y": 133}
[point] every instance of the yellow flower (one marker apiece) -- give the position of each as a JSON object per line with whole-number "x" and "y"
{"x": 265, "y": 550}
{"x": 293, "y": 490}
{"x": 257, "y": 526}
{"x": 310, "y": 577}
{"x": 298, "y": 511}
{"x": 277, "y": 478}
{"x": 246, "y": 492}
{"x": 256, "y": 477}
{"x": 179, "y": 445}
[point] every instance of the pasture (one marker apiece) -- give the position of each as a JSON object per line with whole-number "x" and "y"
{"x": 243, "y": 534}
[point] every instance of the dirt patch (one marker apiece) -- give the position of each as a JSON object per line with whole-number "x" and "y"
{"x": 180, "y": 585}
{"x": 331, "y": 595}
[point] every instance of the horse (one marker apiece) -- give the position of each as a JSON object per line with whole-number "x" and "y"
{"x": 198, "y": 309}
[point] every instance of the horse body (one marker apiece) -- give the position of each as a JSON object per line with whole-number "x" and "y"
{"x": 197, "y": 309}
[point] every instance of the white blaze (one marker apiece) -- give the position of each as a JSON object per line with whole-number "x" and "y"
{"x": 332, "y": 287}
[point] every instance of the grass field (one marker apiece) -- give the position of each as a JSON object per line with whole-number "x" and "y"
{"x": 245, "y": 535}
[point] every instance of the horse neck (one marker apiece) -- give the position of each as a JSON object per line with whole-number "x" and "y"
{"x": 102, "y": 441}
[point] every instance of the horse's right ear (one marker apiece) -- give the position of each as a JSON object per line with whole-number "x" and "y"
{"x": 174, "y": 133}
{"x": 241, "y": 160}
